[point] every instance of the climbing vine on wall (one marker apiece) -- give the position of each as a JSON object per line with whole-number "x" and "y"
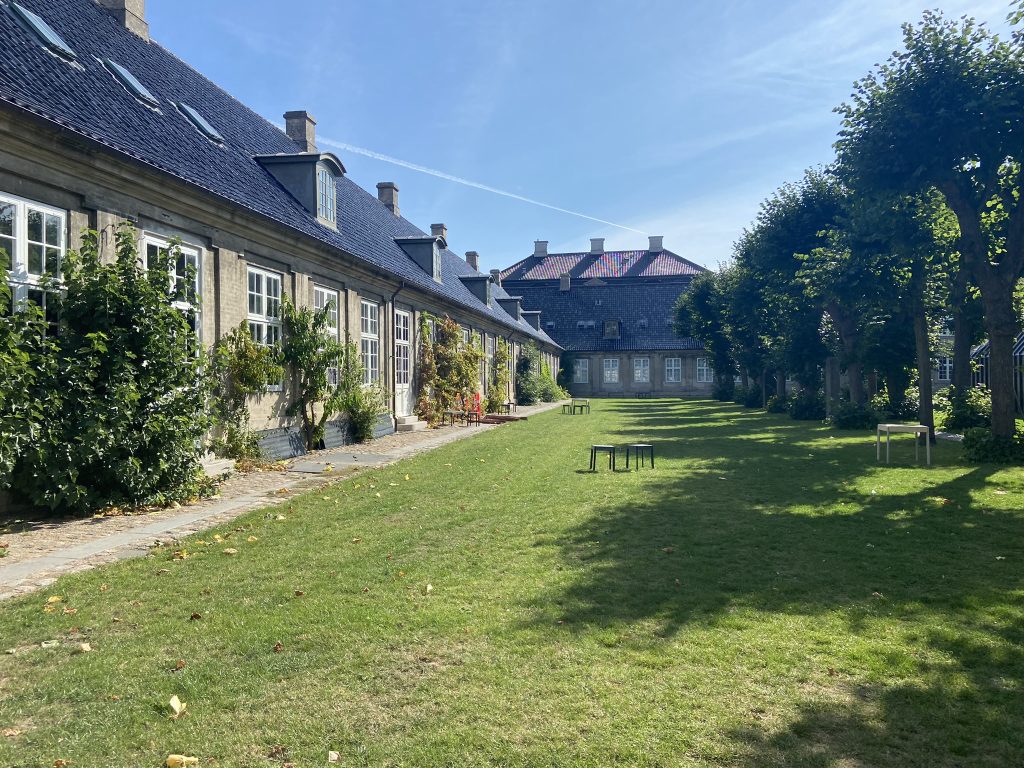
{"x": 497, "y": 392}
{"x": 426, "y": 374}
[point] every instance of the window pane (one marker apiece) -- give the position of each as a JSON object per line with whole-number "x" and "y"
{"x": 52, "y": 259}
{"x": 7, "y": 219}
{"x": 6, "y": 249}
{"x": 152, "y": 253}
{"x": 35, "y": 259}
{"x": 53, "y": 230}
{"x": 35, "y": 225}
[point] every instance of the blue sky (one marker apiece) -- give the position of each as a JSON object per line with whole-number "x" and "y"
{"x": 664, "y": 117}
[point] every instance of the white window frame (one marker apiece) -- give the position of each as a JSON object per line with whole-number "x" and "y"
{"x": 264, "y": 305}
{"x": 21, "y": 280}
{"x": 403, "y": 348}
{"x": 673, "y": 370}
{"x": 610, "y": 370}
{"x": 369, "y": 340}
{"x": 642, "y": 370}
{"x": 944, "y": 369}
{"x": 705, "y": 373}
{"x": 581, "y": 370}
{"x": 191, "y": 253}
{"x": 323, "y": 297}
{"x": 326, "y": 194}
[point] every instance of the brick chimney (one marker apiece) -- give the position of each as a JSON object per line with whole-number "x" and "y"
{"x": 496, "y": 277}
{"x": 656, "y": 246}
{"x": 441, "y": 231}
{"x": 564, "y": 282}
{"x": 387, "y": 193}
{"x": 540, "y": 247}
{"x": 301, "y": 128}
{"x": 473, "y": 259}
{"x": 130, "y": 13}
{"x": 597, "y": 245}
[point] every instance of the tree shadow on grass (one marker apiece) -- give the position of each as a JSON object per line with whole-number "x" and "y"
{"x": 784, "y": 526}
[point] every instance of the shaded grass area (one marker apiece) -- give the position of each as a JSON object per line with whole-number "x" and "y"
{"x": 766, "y": 596}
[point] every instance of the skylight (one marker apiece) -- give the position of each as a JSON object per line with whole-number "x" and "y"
{"x": 128, "y": 80}
{"x": 44, "y": 31}
{"x": 200, "y": 122}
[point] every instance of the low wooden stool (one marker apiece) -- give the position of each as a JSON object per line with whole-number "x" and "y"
{"x": 595, "y": 449}
{"x": 639, "y": 451}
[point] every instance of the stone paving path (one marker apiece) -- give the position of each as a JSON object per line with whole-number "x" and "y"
{"x": 38, "y": 553}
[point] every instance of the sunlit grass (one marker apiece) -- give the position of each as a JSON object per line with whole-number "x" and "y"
{"x": 766, "y": 596}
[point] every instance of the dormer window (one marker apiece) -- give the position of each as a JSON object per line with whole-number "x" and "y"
{"x": 311, "y": 178}
{"x": 425, "y": 252}
{"x": 326, "y": 194}
{"x": 611, "y": 329}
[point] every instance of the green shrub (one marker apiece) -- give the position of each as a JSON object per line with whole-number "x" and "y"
{"x": 361, "y": 404}
{"x": 904, "y": 408}
{"x": 807, "y": 405}
{"x": 752, "y": 398}
{"x": 497, "y": 392}
{"x": 123, "y": 401}
{"x": 962, "y": 410}
{"x": 777, "y": 404}
{"x": 535, "y": 382}
{"x": 981, "y": 446}
{"x": 846, "y": 415}
{"x": 724, "y": 389}
{"x": 239, "y": 369}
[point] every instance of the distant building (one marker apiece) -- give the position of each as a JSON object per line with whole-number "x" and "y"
{"x": 612, "y": 312}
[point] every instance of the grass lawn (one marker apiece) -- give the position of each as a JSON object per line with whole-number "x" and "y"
{"x": 767, "y": 596}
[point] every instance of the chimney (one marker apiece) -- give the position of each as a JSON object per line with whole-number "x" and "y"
{"x": 656, "y": 246}
{"x": 387, "y": 193}
{"x": 301, "y": 128}
{"x": 130, "y": 13}
{"x": 563, "y": 282}
{"x": 473, "y": 259}
{"x": 540, "y": 247}
{"x": 441, "y": 231}
{"x": 496, "y": 277}
{"x": 597, "y": 245}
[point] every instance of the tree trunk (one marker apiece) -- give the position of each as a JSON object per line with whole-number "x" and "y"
{"x": 1002, "y": 325}
{"x": 780, "y": 383}
{"x": 925, "y": 411}
{"x": 961, "y": 352}
{"x": 745, "y": 380}
{"x": 1001, "y": 337}
{"x": 872, "y": 383}
{"x": 855, "y": 374}
{"x": 764, "y": 387}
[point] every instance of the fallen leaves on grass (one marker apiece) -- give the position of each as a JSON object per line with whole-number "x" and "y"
{"x": 333, "y": 757}
{"x": 356, "y": 540}
{"x": 180, "y": 761}
{"x": 230, "y": 551}
{"x": 61, "y": 763}
{"x": 11, "y": 733}
{"x": 177, "y": 706}
{"x": 251, "y": 539}
{"x": 195, "y": 617}
{"x": 180, "y": 665}
{"x": 278, "y": 646}
{"x": 54, "y": 599}
{"x": 84, "y": 647}
{"x": 299, "y": 593}
{"x": 427, "y": 589}
{"x": 668, "y": 550}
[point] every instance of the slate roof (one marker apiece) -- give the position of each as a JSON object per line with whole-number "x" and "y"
{"x": 631, "y": 302}
{"x": 611, "y": 264}
{"x": 84, "y": 98}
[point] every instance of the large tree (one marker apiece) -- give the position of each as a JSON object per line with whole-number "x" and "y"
{"x": 945, "y": 113}
{"x": 700, "y": 312}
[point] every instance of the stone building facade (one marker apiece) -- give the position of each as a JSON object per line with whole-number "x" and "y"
{"x": 100, "y": 125}
{"x": 612, "y": 311}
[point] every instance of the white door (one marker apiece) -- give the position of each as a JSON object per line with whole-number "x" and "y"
{"x": 403, "y": 364}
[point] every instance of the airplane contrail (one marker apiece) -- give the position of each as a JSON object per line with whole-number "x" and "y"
{"x": 465, "y": 182}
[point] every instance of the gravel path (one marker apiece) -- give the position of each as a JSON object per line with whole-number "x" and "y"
{"x": 39, "y": 552}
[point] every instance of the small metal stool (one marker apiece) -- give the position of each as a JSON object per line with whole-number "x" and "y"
{"x": 567, "y": 408}
{"x": 472, "y": 417}
{"x": 639, "y": 451}
{"x": 595, "y": 449}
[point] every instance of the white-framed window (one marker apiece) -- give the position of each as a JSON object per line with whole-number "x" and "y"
{"x": 581, "y": 371}
{"x": 369, "y": 340}
{"x": 705, "y": 373}
{"x": 467, "y": 336}
{"x": 673, "y": 370}
{"x": 611, "y": 370}
{"x": 34, "y": 238}
{"x": 642, "y": 370}
{"x": 326, "y": 194}
{"x": 264, "y": 306}
{"x": 403, "y": 352}
{"x": 945, "y": 369}
{"x": 185, "y": 276}
{"x": 328, "y": 297}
